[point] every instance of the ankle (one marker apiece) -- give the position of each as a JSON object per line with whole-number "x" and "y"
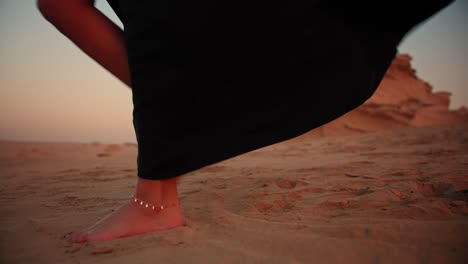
{"x": 169, "y": 190}
{"x": 157, "y": 191}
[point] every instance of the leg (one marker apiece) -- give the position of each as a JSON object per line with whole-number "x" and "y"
{"x": 103, "y": 41}
{"x": 132, "y": 218}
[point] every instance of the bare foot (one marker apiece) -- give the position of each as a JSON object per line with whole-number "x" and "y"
{"x": 129, "y": 219}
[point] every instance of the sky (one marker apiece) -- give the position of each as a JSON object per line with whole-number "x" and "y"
{"x": 52, "y": 91}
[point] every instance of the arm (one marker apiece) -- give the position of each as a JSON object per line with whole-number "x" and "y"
{"x": 91, "y": 31}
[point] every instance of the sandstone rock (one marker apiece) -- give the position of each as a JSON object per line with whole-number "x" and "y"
{"x": 401, "y": 100}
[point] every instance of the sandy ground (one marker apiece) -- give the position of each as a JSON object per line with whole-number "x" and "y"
{"x": 388, "y": 197}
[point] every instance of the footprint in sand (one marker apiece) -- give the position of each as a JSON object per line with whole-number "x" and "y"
{"x": 277, "y": 205}
{"x": 285, "y": 184}
{"x": 262, "y": 206}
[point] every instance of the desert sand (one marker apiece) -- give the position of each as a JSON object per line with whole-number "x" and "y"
{"x": 386, "y": 183}
{"x": 388, "y": 197}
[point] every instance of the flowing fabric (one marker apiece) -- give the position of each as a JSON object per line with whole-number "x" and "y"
{"x": 215, "y": 79}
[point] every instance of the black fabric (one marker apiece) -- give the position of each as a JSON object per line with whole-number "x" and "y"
{"x": 215, "y": 79}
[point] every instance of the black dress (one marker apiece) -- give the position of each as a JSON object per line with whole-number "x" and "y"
{"x": 215, "y": 79}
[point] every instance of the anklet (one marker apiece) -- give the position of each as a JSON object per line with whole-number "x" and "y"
{"x": 152, "y": 206}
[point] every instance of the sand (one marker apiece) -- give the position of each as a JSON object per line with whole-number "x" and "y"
{"x": 397, "y": 196}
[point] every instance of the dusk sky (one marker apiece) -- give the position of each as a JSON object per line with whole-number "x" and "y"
{"x": 52, "y": 91}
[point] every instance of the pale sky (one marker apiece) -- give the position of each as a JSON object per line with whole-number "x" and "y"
{"x": 51, "y": 91}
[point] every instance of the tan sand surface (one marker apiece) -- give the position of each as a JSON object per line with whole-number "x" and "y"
{"x": 397, "y": 196}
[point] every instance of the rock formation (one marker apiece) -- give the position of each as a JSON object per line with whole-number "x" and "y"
{"x": 401, "y": 100}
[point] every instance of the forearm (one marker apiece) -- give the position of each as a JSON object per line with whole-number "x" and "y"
{"x": 91, "y": 31}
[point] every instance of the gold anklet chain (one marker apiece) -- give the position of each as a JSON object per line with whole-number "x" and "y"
{"x": 152, "y": 206}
